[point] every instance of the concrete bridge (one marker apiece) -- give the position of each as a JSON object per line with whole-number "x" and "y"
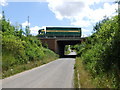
{"x": 57, "y": 42}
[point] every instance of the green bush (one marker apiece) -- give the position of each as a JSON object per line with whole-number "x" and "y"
{"x": 12, "y": 51}
{"x": 101, "y": 53}
{"x": 19, "y": 49}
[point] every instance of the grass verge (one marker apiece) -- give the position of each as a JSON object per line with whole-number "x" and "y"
{"x": 67, "y": 52}
{"x": 23, "y": 67}
{"x": 82, "y": 78}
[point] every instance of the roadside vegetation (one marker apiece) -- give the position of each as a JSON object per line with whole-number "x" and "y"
{"x": 100, "y": 55}
{"x": 20, "y": 50}
{"x": 82, "y": 76}
{"x": 67, "y": 50}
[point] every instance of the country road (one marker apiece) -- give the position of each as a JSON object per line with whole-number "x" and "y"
{"x": 56, "y": 74}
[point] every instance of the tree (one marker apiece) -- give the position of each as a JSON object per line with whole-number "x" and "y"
{"x": 98, "y": 25}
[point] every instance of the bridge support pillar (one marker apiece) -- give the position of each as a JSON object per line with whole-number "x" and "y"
{"x": 60, "y": 49}
{"x": 52, "y": 44}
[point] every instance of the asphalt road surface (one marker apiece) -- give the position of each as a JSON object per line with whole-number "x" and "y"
{"x": 56, "y": 74}
{"x": 72, "y": 53}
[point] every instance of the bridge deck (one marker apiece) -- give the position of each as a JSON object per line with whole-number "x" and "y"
{"x": 63, "y": 38}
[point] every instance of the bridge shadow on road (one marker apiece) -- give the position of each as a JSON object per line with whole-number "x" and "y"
{"x": 68, "y": 56}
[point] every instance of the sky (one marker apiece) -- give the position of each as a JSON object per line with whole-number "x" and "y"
{"x": 72, "y": 13}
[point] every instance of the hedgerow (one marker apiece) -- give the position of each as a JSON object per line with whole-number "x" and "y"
{"x": 101, "y": 53}
{"x": 19, "y": 48}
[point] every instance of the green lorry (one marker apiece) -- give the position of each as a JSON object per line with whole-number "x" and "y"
{"x": 60, "y": 32}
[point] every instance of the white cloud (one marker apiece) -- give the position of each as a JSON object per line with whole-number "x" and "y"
{"x": 107, "y": 10}
{"x": 26, "y": 0}
{"x": 84, "y": 35}
{"x": 85, "y": 30}
{"x": 3, "y": 2}
{"x": 88, "y": 1}
{"x": 81, "y": 23}
{"x": 79, "y": 11}
{"x": 25, "y": 24}
{"x": 34, "y": 30}
{"x": 65, "y": 9}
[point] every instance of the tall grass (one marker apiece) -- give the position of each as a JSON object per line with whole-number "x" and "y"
{"x": 82, "y": 78}
{"x": 15, "y": 68}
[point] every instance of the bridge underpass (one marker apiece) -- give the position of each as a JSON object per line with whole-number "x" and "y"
{"x": 62, "y": 43}
{"x": 58, "y": 37}
{"x": 58, "y": 45}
